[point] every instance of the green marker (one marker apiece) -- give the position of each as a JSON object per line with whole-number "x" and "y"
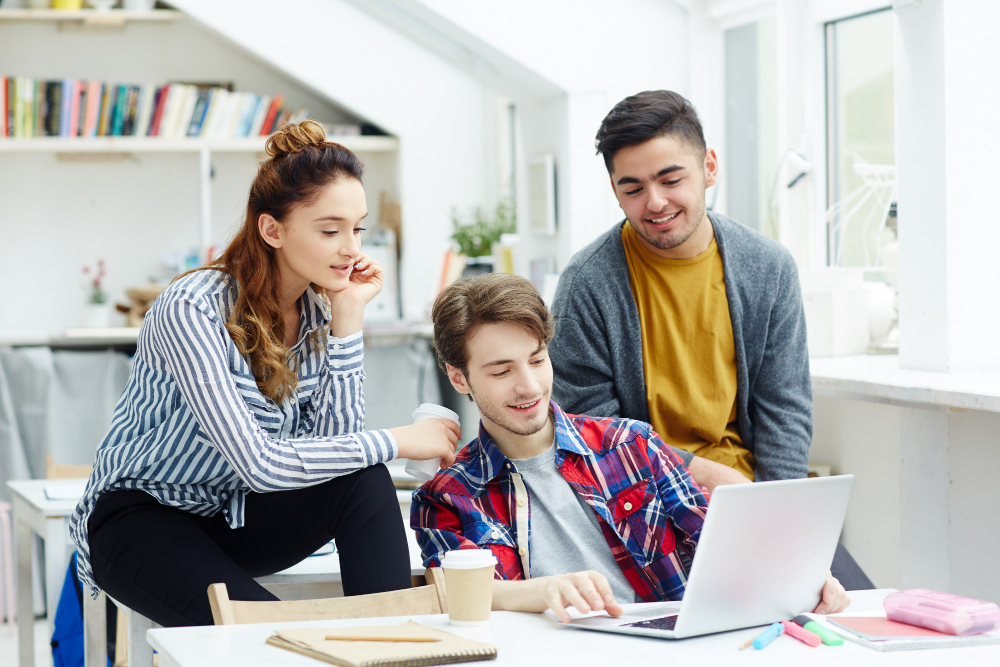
{"x": 829, "y": 638}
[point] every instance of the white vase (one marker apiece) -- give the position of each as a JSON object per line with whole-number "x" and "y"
{"x": 98, "y": 315}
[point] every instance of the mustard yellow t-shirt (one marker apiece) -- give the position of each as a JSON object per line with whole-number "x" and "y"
{"x": 688, "y": 353}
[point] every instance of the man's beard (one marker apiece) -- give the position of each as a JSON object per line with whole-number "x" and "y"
{"x": 676, "y": 237}
{"x": 496, "y": 415}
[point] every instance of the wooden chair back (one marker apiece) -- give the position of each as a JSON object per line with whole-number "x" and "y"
{"x": 55, "y": 470}
{"x": 428, "y": 599}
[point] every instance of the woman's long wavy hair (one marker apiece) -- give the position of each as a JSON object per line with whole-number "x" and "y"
{"x": 301, "y": 163}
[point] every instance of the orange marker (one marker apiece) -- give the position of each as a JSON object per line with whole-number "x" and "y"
{"x": 800, "y": 633}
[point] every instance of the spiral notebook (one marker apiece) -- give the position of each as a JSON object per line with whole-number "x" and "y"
{"x": 877, "y": 632}
{"x": 448, "y": 649}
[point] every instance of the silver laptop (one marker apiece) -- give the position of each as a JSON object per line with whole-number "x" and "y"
{"x": 763, "y": 556}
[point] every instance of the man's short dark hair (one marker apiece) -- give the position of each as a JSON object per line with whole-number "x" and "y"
{"x": 645, "y": 116}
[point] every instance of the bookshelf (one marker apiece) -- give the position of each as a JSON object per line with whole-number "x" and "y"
{"x": 89, "y": 17}
{"x": 136, "y": 198}
{"x": 357, "y": 143}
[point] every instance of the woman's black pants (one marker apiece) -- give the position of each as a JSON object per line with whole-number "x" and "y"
{"x": 160, "y": 561}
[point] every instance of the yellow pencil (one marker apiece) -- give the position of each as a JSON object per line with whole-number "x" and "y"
{"x": 347, "y": 638}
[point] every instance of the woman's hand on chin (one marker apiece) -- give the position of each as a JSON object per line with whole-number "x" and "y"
{"x": 363, "y": 285}
{"x": 348, "y": 304}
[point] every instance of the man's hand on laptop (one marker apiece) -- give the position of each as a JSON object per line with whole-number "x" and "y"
{"x": 587, "y": 591}
{"x": 833, "y": 599}
{"x": 711, "y": 474}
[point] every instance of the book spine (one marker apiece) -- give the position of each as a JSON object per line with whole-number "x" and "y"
{"x": 3, "y": 106}
{"x": 105, "y": 116}
{"x": 286, "y": 115}
{"x": 154, "y": 104}
{"x": 212, "y": 113}
{"x": 81, "y": 116}
{"x": 258, "y": 118}
{"x": 28, "y": 110}
{"x": 65, "y": 107}
{"x": 187, "y": 110}
{"x": 147, "y": 97}
{"x": 93, "y": 109}
{"x": 131, "y": 108}
{"x": 247, "y": 116}
{"x": 117, "y": 120}
{"x": 178, "y": 96}
{"x": 169, "y": 110}
{"x": 74, "y": 109}
{"x": 53, "y": 107}
{"x": 18, "y": 111}
{"x": 161, "y": 104}
{"x": 10, "y": 109}
{"x": 198, "y": 113}
{"x": 272, "y": 112}
{"x": 236, "y": 102}
{"x": 38, "y": 118}
{"x": 221, "y": 118}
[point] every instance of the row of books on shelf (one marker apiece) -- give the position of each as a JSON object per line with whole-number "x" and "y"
{"x": 75, "y": 108}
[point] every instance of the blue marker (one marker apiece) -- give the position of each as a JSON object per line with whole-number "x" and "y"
{"x": 766, "y": 637}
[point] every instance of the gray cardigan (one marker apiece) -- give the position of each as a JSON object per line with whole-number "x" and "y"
{"x": 597, "y": 349}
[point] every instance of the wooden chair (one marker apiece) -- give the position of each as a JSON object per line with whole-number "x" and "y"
{"x": 55, "y": 470}
{"x": 429, "y": 599}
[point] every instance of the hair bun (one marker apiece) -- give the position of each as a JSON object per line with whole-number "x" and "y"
{"x": 294, "y": 138}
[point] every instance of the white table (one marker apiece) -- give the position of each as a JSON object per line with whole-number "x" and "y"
{"x": 526, "y": 640}
{"x": 49, "y": 519}
{"x": 318, "y": 576}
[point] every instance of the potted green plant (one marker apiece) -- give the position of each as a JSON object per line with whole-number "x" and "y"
{"x": 475, "y": 237}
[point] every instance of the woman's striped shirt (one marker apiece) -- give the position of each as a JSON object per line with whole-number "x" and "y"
{"x": 193, "y": 430}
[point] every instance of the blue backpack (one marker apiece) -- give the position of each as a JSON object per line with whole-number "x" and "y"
{"x": 67, "y": 639}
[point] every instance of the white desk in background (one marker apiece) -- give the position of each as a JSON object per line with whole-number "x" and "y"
{"x": 529, "y": 640}
{"x": 49, "y": 519}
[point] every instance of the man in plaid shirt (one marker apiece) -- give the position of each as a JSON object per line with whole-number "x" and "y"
{"x": 579, "y": 511}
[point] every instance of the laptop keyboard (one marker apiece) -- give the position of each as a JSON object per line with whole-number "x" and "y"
{"x": 664, "y": 623}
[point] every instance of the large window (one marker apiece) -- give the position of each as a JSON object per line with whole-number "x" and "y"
{"x": 751, "y": 125}
{"x": 861, "y": 173}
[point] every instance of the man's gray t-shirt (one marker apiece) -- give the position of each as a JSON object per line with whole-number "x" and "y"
{"x": 565, "y": 535}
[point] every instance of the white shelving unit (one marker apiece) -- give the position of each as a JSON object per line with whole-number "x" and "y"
{"x": 357, "y": 143}
{"x": 204, "y": 147}
{"x": 89, "y": 17}
{"x": 134, "y": 145}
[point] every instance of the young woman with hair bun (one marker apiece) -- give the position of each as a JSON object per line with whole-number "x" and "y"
{"x": 238, "y": 446}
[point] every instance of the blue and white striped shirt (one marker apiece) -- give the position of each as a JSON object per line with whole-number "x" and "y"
{"x": 193, "y": 430}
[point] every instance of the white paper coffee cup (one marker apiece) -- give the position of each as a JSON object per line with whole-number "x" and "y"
{"x": 425, "y": 470}
{"x": 468, "y": 582}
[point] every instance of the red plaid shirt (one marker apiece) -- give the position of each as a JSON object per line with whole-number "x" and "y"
{"x": 649, "y": 508}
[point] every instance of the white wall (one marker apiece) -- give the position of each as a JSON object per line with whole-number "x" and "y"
{"x": 593, "y": 55}
{"x": 874, "y": 442}
{"x": 57, "y": 216}
{"x": 947, "y": 134}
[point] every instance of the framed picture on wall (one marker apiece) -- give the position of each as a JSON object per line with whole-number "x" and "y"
{"x": 542, "y": 194}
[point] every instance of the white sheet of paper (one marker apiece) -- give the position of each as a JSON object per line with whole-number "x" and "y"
{"x": 68, "y": 490}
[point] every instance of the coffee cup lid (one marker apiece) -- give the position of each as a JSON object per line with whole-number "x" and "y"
{"x": 437, "y": 411}
{"x": 468, "y": 559}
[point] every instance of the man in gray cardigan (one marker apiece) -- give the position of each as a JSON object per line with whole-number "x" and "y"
{"x": 608, "y": 300}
